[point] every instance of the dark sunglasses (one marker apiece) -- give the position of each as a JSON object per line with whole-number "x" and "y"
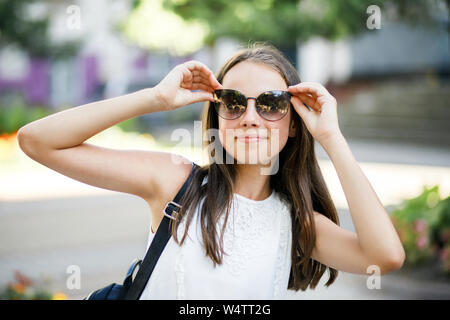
{"x": 271, "y": 105}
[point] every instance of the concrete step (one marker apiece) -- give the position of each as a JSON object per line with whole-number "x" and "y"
{"x": 398, "y": 121}
{"x": 410, "y": 110}
{"x": 415, "y": 137}
{"x": 414, "y": 110}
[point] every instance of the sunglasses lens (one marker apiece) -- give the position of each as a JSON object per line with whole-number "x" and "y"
{"x": 229, "y": 104}
{"x": 273, "y": 105}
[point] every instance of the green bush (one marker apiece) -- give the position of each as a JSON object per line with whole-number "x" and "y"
{"x": 24, "y": 288}
{"x": 130, "y": 125}
{"x": 15, "y": 116}
{"x": 423, "y": 225}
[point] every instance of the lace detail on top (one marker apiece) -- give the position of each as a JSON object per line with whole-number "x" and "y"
{"x": 283, "y": 251}
{"x": 244, "y": 231}
{"x": 179, "y": 271}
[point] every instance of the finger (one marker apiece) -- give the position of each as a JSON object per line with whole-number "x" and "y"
{"x": 197, "y": 79}
{"x": 187, "y": 75}
{"x": 202, "y": 80}
{"x": 203, "y": 85}
{"x": 215, "y": 83}
{"x": 309, "y": 87}
{"x": 200, "y": 96}
{"x": 197, "y": 66}
{"x": 311, "y": 102}
{"x": 318, "y": 86}
{"x": 200, "y": 86}
{"x": 308, "y": 99}
{"x": 301, "y": 109}
{"x": 210, "y": 81}
{"x": 197, "y": 73}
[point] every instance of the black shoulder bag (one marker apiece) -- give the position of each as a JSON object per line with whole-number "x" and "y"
{"x": 132, "y": 289}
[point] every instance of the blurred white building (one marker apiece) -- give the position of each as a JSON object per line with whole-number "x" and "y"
{"x": 396, "y": 48}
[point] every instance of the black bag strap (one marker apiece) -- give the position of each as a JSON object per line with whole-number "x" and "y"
{"x": 158, "y": 244}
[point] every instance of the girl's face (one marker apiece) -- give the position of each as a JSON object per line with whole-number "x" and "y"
{"x": 252, "y": 79}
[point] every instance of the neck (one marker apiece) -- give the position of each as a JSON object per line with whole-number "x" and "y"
{"x": 250, "y": 183}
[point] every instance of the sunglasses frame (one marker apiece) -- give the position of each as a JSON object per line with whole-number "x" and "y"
{"x": 290, "y": 95}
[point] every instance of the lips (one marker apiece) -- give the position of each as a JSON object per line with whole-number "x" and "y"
{"x": 251, "y": 138}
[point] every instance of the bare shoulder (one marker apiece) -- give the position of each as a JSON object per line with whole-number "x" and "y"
{"x": 319, "y": 216}
{"x": 170, "y": 173}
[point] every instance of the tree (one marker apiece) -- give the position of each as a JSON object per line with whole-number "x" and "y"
{"x": 281, "y": 22}
{"x": 29, "y": 34}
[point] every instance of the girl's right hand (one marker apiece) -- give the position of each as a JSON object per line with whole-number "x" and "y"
{"x": 174, "y": 91}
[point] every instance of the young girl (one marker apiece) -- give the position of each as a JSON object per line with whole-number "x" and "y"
{"x": 240, "y": 234}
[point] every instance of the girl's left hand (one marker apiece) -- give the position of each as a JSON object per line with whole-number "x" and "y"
{"x": 321, "y": 120}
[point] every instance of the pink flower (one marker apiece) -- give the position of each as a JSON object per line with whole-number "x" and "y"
{"x": 420, "y": 225}
{"x": 421, "y": 242}
{"x": 445, "y": 235}
{"x": 444, "y": 254}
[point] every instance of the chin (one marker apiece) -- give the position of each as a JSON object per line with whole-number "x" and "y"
{"x": 253, "y": 157}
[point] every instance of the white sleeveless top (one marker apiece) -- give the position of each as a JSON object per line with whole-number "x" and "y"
{"x": 256, "y": 263}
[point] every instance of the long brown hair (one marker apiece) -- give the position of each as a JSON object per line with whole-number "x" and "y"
{"x": 298, "y": 180}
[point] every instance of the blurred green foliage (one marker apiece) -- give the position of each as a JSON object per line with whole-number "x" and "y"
{"x": 131, "y": 125}
{"x": 20, "y": 26}
{"x": 423, "y": 224}
{"x": 16, "y": 114}
{"x": 23, "y": 288}
{"x": 283, "y": 22}
{"x": 419, "y": 11}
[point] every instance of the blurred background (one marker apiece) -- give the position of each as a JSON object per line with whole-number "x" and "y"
{"x": 386, "y": 62}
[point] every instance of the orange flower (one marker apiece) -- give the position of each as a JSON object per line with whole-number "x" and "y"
{"x": 8, "y": 136}
{"x": 22, "y": 279}
{"x": 18, "y": 287}
{"x": 59, "y": 296}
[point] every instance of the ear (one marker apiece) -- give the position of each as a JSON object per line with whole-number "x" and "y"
{"x": 292, "y": 129}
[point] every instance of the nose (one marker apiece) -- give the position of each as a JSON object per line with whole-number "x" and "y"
{"x": 251, "y": 118}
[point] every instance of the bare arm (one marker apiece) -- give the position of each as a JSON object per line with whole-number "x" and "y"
{"x": 58, "y": 141}
{"x": 73, "y": 126}
{"x": 376, "y": 241}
